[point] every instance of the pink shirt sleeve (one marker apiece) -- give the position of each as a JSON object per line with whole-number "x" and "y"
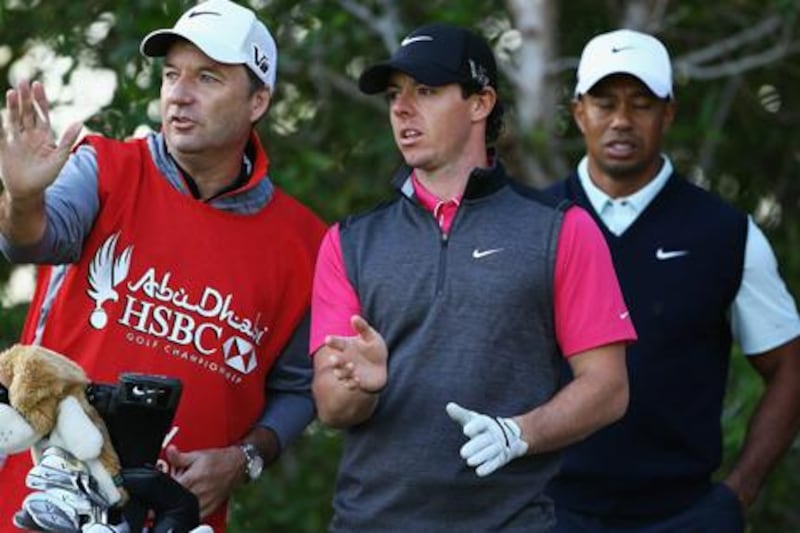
{"x": 333, "y": 299}
{"x": 589, "y": 308}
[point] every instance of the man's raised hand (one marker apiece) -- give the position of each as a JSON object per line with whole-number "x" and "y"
{"x": 359, "y": 362}
{"x": 30, "y": 159}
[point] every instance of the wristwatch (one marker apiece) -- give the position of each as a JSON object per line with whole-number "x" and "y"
{"x": 255, "y": 463}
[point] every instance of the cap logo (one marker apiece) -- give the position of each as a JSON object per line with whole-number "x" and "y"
{"x": 478, "y": 73}
{"x": 198, "y": 13}
{"x": 260, "y": 59}
{"x": 418, "y": 38}
{"x": 615, "y": 49}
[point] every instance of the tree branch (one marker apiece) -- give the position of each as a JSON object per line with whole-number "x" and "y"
{"x": 733, "y": 68}
{"x": 712, "y": 139}
{"x": 768, "y": 26}
{"x": 689, "y": 65}
{"x": 385, "y": 25}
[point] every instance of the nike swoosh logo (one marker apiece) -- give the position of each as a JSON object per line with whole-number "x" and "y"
{"x": 623, "y": 316}
{"x": 198, "y": 13}
{"x": 418, "y": 38}
{"x": 478, "y": 254}
{"x": 663, "y": 255}
{"x": 617, "y": 49}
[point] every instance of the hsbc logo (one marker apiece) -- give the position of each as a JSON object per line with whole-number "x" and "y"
{"x": 156, "y": 307}
{"x": 240, "y": 355}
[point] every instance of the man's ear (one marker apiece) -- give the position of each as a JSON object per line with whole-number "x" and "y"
{"x": 259, "y": 102}
{"x": 670, "y": 111}
{"x": 578, "y": 112}
{"x": 482, "y": 103}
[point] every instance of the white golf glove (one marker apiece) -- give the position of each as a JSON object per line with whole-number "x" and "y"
{"x": 493, "y": 441}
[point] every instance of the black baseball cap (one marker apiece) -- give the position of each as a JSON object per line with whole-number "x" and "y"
{"x": 436, "y": 54}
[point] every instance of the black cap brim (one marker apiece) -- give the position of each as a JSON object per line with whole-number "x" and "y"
{"x": 375, "y": 79}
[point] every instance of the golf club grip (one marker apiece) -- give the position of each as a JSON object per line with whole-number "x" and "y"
{"x": 138, "y": 412}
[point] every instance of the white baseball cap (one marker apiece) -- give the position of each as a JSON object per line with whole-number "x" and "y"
{"x": 626, "y": 52}
{"x": 226, "y": 32}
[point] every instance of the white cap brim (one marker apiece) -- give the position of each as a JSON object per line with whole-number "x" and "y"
{"x": 156, "y": 44}
{"x": 626, "y": 52}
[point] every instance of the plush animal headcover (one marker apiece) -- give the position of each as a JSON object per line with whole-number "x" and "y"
{"x": 47, "y": 400}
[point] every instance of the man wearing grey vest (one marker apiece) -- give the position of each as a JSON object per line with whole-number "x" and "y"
{"x": 440, "y": 318}
{"x": 696, "y": 274}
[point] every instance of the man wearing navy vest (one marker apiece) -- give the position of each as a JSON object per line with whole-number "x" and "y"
{"x": 697, "y": 275}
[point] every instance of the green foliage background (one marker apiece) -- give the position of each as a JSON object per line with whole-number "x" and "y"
{"x": 331, "y": 148}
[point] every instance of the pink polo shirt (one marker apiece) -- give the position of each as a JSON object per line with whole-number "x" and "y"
{"x": 589, "y": 309}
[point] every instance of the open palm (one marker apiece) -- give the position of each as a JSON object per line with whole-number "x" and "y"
{"x": 29, "y": 158}
{"x": 360, "y": 362}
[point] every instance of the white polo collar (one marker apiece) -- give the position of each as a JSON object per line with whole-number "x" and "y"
{"x": 637, "y": 201}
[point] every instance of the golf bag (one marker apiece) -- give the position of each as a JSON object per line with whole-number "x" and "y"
{"x": 138, "y": 411}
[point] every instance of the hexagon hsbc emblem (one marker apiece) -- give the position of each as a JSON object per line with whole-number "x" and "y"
{"x": 240, "y": 355}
